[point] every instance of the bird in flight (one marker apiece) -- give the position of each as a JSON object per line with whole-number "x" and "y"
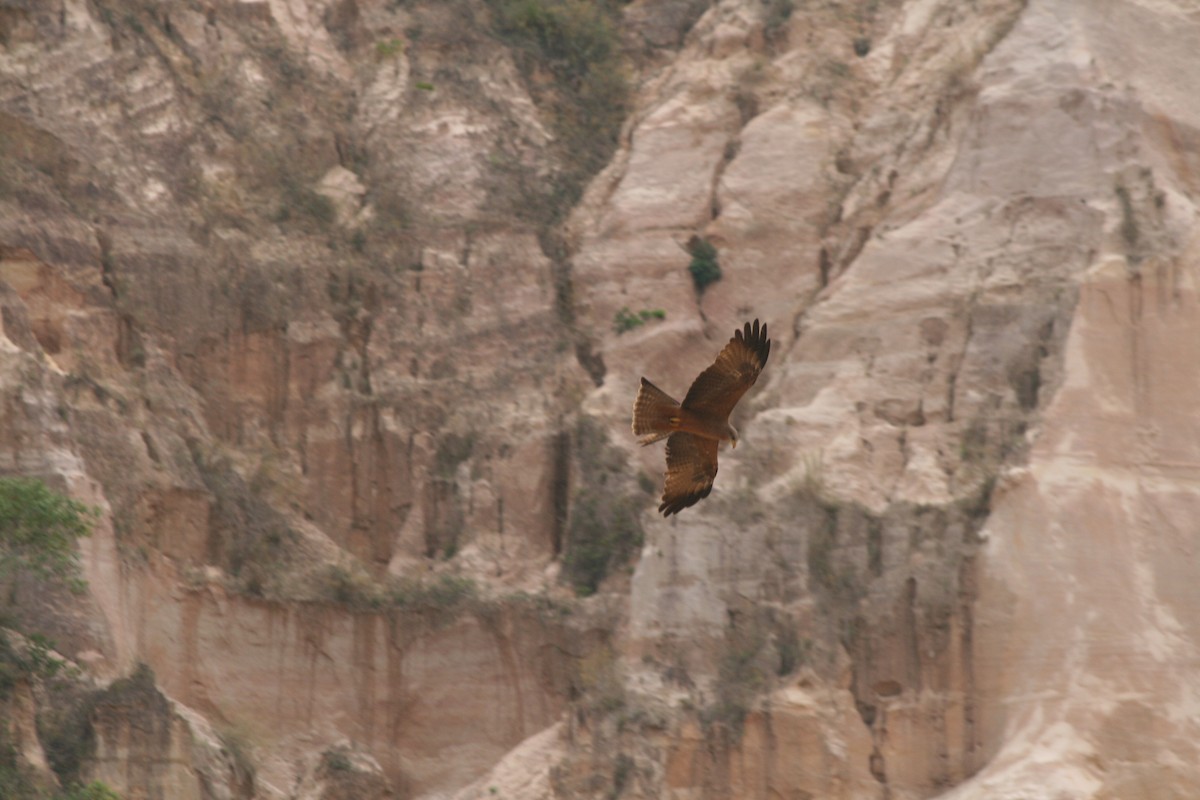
{"x": 695, "y": 427}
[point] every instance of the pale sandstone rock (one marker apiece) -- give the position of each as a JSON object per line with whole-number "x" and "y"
{"x": 300, "y": 23}
{"x": 341, "y": 772}
{"x": 21, "y": 736}
{"x": 1088, "y": 528}
{"x": 826, "y": 755}
{"x": 346, "y": 191}
{"x": 391, "y": 683}
{"x": 973, "y": 246}
{"x": 913, "y": 282}
{"x": 674, "y": 155}
{"x": 524, "y": 771}
{"x": 142, "y": 738}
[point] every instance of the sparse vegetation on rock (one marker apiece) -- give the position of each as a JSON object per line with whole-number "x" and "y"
{"x": 604, "y": 529}
{"x": 576, "y": 43}
{"x": 625, "y": 320}
{"x": 704, "y": 267}
{"x": 284, "y": 406}
{"x": 39, "y": 531}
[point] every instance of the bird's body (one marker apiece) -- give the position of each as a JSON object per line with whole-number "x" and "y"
{"x": 695, "y": 427}
{"x": 656, "y": 415}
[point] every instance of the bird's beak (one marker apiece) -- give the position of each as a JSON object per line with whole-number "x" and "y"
{"x": 733, "y": 443}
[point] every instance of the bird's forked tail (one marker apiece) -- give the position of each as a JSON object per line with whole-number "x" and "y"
{"x": 655, "y": 414}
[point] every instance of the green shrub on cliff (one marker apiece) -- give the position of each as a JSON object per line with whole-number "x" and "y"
{"x": 576, "y": 44}
{"x": 38, "y": 532}
{"x": 96, "y": 790}
{"x": 705, "y": 268}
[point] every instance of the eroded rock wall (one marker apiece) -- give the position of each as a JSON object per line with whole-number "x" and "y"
{"x": 308, "y": 298}
{"x": 269, "y": 305}
{"x": 989, "y": 178}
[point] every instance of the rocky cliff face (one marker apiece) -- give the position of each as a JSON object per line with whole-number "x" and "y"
{"x": 336, "y": 311}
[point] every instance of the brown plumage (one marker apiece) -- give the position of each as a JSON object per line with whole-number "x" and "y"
{"x": 694, "y": 427}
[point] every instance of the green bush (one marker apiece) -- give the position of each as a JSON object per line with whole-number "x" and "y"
{"x": 96, "y": 790}
{"x": 34, "y": 658}
{"x": 625, "y": 320}
{"x": 39, "y": 529}
{"x": 445, "y": 593}
{"x": 359, "y": 591}
{"x": 704, "y": 267}
{"x": 388, "y": 48}
{"x": 351, "y": 588}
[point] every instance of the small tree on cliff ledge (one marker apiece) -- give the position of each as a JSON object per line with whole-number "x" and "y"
{"x": 705, "y": 268}
{"x": 38, "y": 532}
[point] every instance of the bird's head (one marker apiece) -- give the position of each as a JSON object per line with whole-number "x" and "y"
{"x": 733, "y": 436}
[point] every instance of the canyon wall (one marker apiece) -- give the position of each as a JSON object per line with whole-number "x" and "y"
{"x": 336, "y": 310}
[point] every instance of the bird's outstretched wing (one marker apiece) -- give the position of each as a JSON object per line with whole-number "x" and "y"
{"x": 717, "y": 390}
{"x": 691, "y": 470}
